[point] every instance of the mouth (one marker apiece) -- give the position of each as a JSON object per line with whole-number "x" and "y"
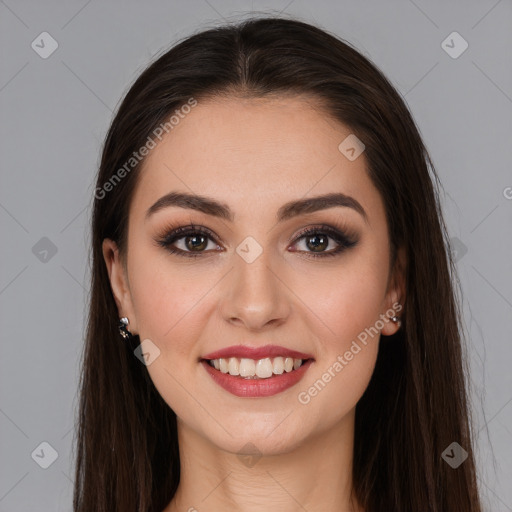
{"x": 256, "y": 372}
{"x": 255, "y": 369}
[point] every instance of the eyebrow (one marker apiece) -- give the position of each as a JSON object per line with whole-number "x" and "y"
{"x": 211, "y": 206}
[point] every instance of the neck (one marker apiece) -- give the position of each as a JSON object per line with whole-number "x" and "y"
{"x": 315, "y": 476}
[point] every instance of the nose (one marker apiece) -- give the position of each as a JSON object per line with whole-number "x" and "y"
{"x": 256, "y": 296}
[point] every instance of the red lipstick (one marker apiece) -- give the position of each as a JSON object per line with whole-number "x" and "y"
{"x": 243, "y": 351}
{"x": 256, "y": 387}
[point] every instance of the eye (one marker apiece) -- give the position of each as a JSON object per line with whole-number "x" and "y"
{"x": 194, "y": 241}
{"x": 316, "y": 240}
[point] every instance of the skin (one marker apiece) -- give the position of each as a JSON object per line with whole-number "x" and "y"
{"x": 255, "y": 155}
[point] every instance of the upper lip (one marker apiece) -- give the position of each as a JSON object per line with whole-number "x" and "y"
{"x": 246, "y": 352}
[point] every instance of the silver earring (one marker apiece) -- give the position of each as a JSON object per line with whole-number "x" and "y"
{"x": 123, "y": 324}
{"x": 396, "y": 320}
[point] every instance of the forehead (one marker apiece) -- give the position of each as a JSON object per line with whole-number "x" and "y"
{"x": 250, "y": 152}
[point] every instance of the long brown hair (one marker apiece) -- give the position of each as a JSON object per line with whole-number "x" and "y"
{"x": 416, "y": 404}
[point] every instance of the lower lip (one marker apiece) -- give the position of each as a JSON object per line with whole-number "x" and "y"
{"x": 246, "y": 388}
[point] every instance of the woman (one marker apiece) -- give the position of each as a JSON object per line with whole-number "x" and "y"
{"x": 273, "y": 324}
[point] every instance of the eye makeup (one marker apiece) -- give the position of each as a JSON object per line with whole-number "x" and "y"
{"x": 197, "y": 238}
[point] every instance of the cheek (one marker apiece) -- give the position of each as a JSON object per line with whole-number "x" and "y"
{"x": 167, "y": 300}
{"x": 169, "y": 303}
{"x": 347, "y": 306}
{"x": 347, "y": 355}
{"x": 344, "y": 301}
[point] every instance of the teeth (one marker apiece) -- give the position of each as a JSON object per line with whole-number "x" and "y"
{"x": 223, "y": 365}
{"x": 233, "y": 366}
{"x": 247, "y": 368}
{"x": 264, "y": 368}
{"x": 256, "y": 369}
{"x": 278, "y": 365}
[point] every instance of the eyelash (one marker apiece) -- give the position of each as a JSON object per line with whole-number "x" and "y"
{"x": 172, "y": 235}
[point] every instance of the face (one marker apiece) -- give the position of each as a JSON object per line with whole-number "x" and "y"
{"x": 313, "y": 281}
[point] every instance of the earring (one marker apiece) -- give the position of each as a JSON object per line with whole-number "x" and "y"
{"x": 396, "y": 320}
{"x": 123, "y": 324}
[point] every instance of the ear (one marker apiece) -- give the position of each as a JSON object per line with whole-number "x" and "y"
{"x": 395, "y": 296}
{"x": 119, "y": 283}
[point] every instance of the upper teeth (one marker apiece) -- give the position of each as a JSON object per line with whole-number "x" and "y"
{"x": 261, "y": 368}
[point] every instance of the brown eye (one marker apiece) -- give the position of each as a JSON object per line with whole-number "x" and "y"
{"x": 194, "y": 241}
{"x": 318, "y": 239}
{"x": 317, "y": 243}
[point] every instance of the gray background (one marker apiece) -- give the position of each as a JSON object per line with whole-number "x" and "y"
{"x": 55, "y": 113}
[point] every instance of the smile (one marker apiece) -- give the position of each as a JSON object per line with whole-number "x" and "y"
{"x": 248, "y": 371}
{"x": 253, "y": 386}
{"x": 256, "y": 369}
